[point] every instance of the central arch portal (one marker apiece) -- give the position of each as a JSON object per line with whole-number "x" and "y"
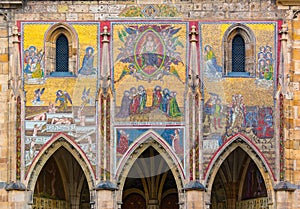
{"x": 150, "y": 183}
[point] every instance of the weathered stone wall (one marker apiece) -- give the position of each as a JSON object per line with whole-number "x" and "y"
{"x": 292, "y": 125}
{"x": 4, "y": 68}
{"x": 101, "y": 10}
{"x": 293, "y": 120}
{"x": 209, "y": 10}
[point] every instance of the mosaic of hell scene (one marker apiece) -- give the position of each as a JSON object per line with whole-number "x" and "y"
{"x": 149, "y": 71}
{"x": 60, "y": 104}
{"x": 238, "y": 104}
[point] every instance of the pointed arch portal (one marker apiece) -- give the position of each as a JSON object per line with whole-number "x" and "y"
{"x": 62, "y": 183}
{"x": 239, "y": 176}
{"x": 61, "y": 176}
{"x": 237, "y": 181}
{"x": 150, "y": 183}
{"x": 150, "y": 175}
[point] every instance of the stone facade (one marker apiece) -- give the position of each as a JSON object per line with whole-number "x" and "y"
{"x": 215, "y": 136}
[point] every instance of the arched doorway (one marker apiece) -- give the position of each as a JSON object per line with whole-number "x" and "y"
{"x": 238, "y": 183}
{"x": 150, "y": 183}
{"x": 61, "y": 184}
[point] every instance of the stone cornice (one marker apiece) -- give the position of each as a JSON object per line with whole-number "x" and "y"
{"x": 194, "y": 185}
{"x": 106, "y": 185}
{"x": 289, "y": 2}
{"x": 6, "y": 4}
{"x": 285, "y": 186}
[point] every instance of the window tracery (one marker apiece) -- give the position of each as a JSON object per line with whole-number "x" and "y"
{"x": 61, "y": 51}
{"x": 239, "y": 51}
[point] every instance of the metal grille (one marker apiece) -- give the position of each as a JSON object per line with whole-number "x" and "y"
{"x": 238, "y": 54}
{"x": 62, "y": 54}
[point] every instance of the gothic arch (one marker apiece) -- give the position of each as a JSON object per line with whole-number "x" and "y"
{"x": 51, "y": 36}
{"x": 58, "y": 141}
{"x": 239, "y": 141}
{"x": 149, "y": 139}
{"x": 249, "y": 38}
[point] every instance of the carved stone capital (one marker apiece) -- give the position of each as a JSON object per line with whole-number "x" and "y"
{"x": 105, "y": 34}
{"x": 193, "y": 34}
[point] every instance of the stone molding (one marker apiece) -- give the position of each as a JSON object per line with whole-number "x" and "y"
{"x": 15, "y": 186}
{"x": 289, "y": 2}
{"x": 106, "y": 185}
{"x": 10, "y": 4}
{"x": 194, "y": 185}
{"x": 285, "y": 186}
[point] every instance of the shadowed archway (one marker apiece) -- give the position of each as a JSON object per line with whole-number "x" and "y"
{"x": 238, "y": 182}
{"x": 227, "y": 176}
{"x": 62, "y": 183}
{"x": 150, "y": 183}
{"x": 61, "y": 159}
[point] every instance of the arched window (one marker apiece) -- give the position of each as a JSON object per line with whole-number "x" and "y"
{"x": 238, "y": 54}
{"x": 239, "y": 51}
{"x": 62, "y": 54}
{"x": 61, "y": 51}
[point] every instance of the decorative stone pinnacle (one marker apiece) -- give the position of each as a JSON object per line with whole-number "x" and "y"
{"x": 193, "y": 34}
{"x": 284, "y": 29}
{"x": 15, "y": 34}
{"x": 105, "y": 34}
{"x": 284, "y": 32}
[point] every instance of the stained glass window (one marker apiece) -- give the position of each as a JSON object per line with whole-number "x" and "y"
{"x": 62, "y": 54}
{"x": 238, "y": 54}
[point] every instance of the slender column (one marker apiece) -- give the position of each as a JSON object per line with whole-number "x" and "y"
{"x": 153, "y": 204}
{"x": 14, "y": 92}
{"x": 193, "y": 120}
{"x": 194, "y": 190}
{"x": 104, "y": 88}
{"x": 105, "y": 190}
{"x": 282, "y": 89}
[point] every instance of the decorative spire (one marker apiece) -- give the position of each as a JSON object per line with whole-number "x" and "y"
{"x": 193, "y": 67}
{"x": 193, "y": 34}
{"x": 105, "y": 66}
{"x": 105, "y": 34}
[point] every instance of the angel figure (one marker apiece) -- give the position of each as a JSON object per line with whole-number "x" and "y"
{"x": 63, "y": 97}
{"x": 37, "y": 96}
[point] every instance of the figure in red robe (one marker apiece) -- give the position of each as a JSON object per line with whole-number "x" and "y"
{"x": 123, "y": 142}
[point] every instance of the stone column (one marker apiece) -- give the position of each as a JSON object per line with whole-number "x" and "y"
{"x": 18, "y": 197}
{"x": 192, "y": 116}
{"x": 153, "y": 204}
{"x": 104, "y": 110}
{"x": 105, "y": 195}
{"x": 194, "y": 192}
{"x": 74, "y": 201}
{"x": 105, "y": 199}
{"x": 18, "y": 200}
{"x": 284, "y": 194}
{"x": 195, "y": 199}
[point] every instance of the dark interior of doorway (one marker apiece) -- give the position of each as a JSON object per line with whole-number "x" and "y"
{"x": 236, "y": 170}
{"x": 150, "y": 182}
{"x": 62, "y": 182}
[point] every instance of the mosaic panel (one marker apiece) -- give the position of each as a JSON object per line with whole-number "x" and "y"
{"x": 173, "y": 137}
{"x": 33, "y": 60}
{"x": 149, "y": 71}
{"x": 60, "y": 104}
{"x": 238, "y": 104}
